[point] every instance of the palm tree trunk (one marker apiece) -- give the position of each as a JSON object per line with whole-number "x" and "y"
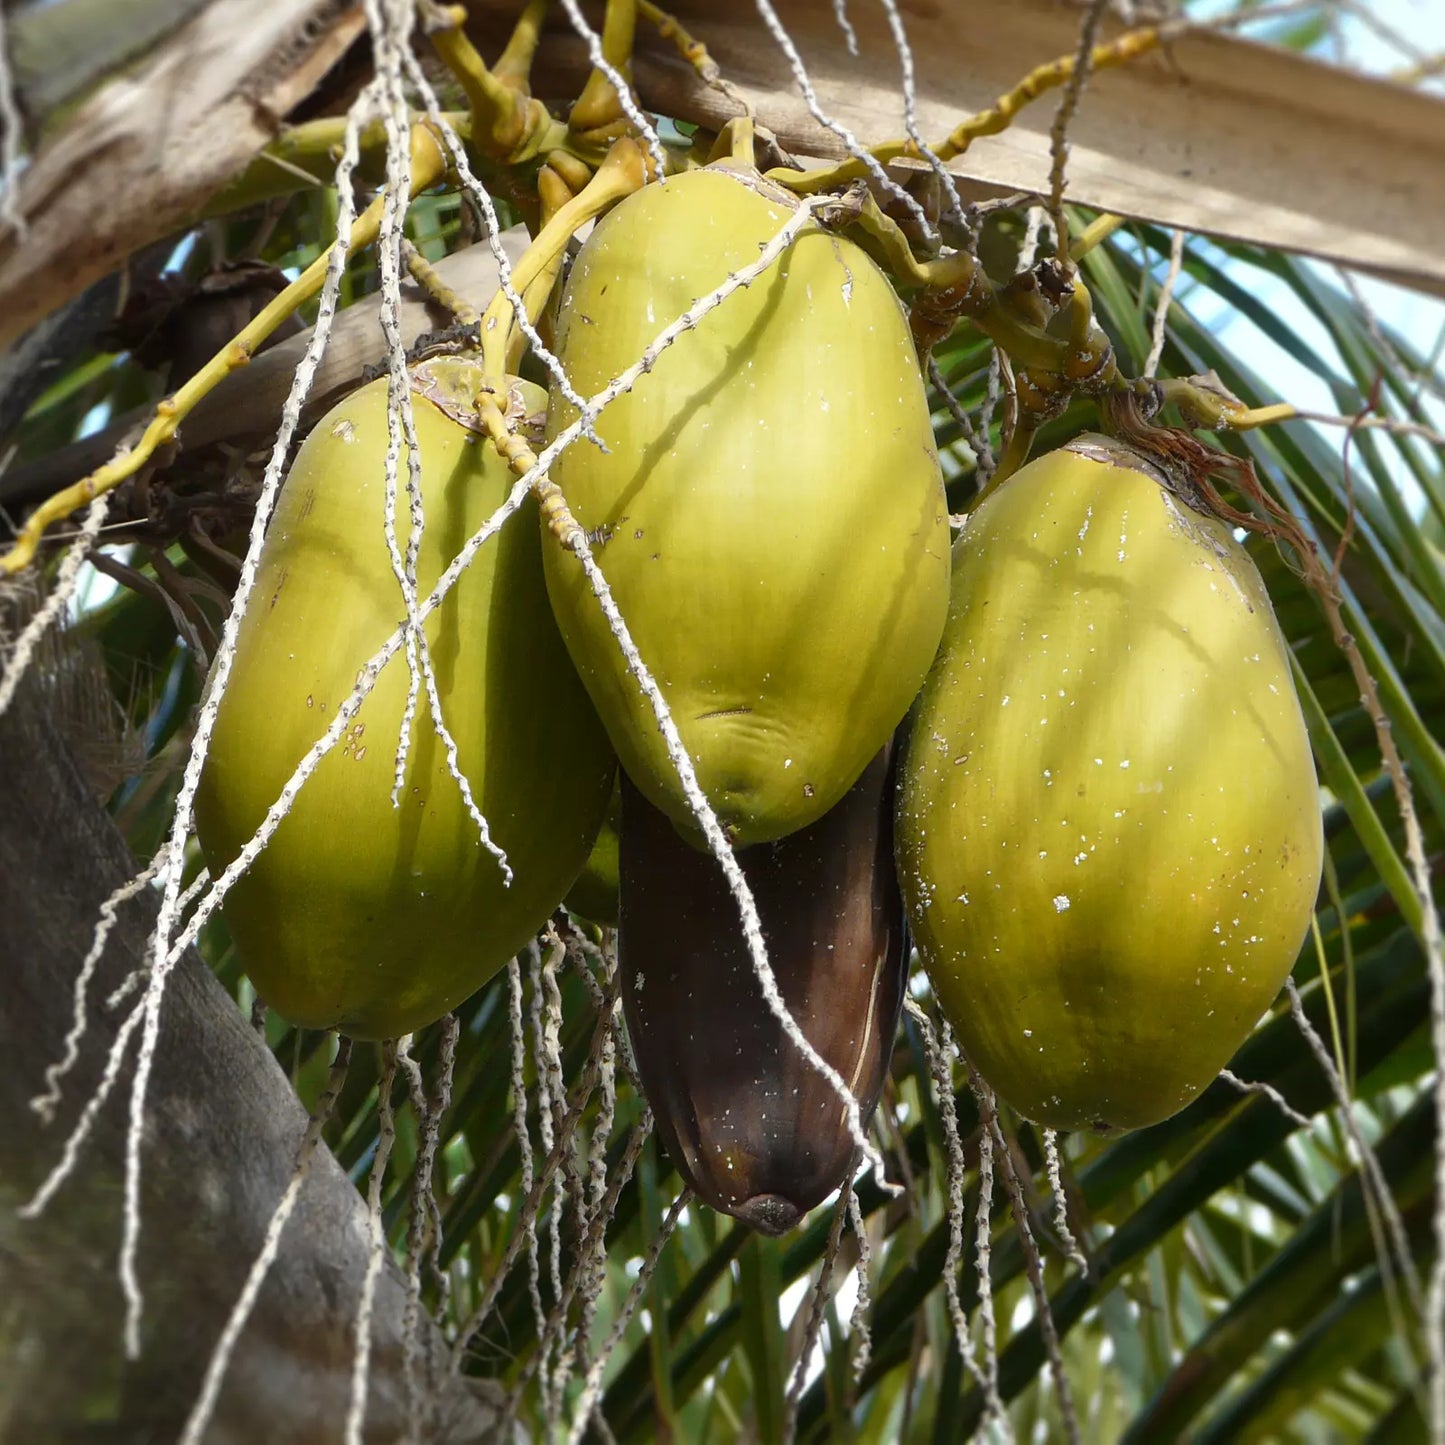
{"x": 223, "y": 1124}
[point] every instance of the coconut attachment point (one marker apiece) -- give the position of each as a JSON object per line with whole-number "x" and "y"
{"x": 1108, "y": 824}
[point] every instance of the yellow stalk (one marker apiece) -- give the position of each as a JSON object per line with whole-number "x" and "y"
{"x": 736, "y": 141}
{"x": 1014, "y": 454}
{"x": 514, "y": 67}
{"x": 998, "y": 117}
{"x": 670, "y": 28}
{"x": 622, "y": 172}
{"x": 499, "y": 113}
{"x": 1209, "y": 409}
{"x": 598, "y": 106}
{"x": 1099, "y": 229}
{"x": 1038, "y": 82}
{"x": 955, "y": 285}
{"x": 434, "y": 284}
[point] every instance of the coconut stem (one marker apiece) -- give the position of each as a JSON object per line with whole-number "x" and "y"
{"x": 481, "y": 197}
{"x": 693, "y": 51}
{"x": 507, "y": 124}
{"x": 956, "y": 285}
{"x": 607, "y": 102}
{"x": 1014, "y": 454}
{"x": 434, "y": 284}
{"x": 599, "y": 107}
{"x": 736, "y": 141}
{"x": 514, "y": 65}
{"x": 621, "y": 173}
{"x": 1096, "y": 233}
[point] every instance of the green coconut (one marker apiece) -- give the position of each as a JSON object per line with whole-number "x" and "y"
{"x": 594, "y": 895}
{"x": 769, "y": 510}
{"x": 1108, "y": 827}
{"x": 358, "y": 915}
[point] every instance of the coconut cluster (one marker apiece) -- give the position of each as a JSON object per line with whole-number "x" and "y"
{"x": 1067, "y": 752}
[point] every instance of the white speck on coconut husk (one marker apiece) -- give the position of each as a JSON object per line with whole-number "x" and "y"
{"x": 1061, "y": 903}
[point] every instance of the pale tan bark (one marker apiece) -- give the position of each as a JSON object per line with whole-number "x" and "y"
{"x": 137, "y": 158}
